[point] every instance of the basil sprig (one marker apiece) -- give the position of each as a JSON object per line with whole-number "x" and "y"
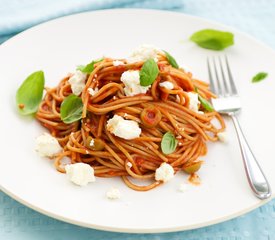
{"x": 205, "y": 104}
{"x": 29, "y": 94}
{"x": 148, "y": 72}
{"x": 171, "y": 60}
{"x": 71, "y": 109}
{"x": 213, "y": 39}
{"x": 168, "y": 143}
{"x": 89, "y": 67}
{"x": 259, "y": 77}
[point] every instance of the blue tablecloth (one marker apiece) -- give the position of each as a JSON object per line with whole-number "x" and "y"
{"x": 256, "y": 17}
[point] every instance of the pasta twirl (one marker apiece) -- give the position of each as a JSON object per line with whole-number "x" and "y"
{"x": 136, "y": 158}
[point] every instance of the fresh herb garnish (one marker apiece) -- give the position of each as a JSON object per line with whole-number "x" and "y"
{"x": 29, "y": 94}
{"x": 206, "y": 105}
{"x": 259, "y": 77}
{"x": 213, "y": 39}
{"x": 89, "y": 67}
{"x": 71, "y": 109}
{"x": 168, "y": 143}
{"x": 171, "y": 60}
{"x": 148, "y": 72}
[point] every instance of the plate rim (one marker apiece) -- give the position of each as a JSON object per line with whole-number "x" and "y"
{"x": 138, "y": 230}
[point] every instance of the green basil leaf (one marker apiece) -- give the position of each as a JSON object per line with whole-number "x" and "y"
{"x": 259, "y": 77}
{"x": 213, "y": 39}
{"x": 168, "y": 143}
{"x": 148, "y": 72}
{"x": 71, "y": 109}
{"x": 206, "y": 105}
{"x": 89, "y": 67}
{"x": 171, "y": 60}
{"x": 30, "y": 93}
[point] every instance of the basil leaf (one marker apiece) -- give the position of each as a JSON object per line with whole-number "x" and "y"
{"x": 71, "y": 109}
{"x": 206, "y": 105}
{"x": 213, "y": 39}
{"x": 259, "y": 77}
{"x": 29, "y": 94}
{"x": 171, "y": 60}
{"x": 89, "y": 67}
{"x": 148, "y": 72}
{"x": 168, "y": 143}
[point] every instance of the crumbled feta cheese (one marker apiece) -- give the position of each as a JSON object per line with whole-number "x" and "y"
{"x": 64, "y": 161}
{"x": 92, "y": 142}
{"x": 183, "y": 187}
{"x": 47, "y": 146}
{"x": 113, "y": 194}
{"x": 164, "y": 173}
{"x": 129, "y": 164}
{"x": 132, "y": 84}
{"x": 117, "y": 63}
{"x": 80, "y": 173}
{"x": 193, "y": 101}
{"x": 77, "y": 81}
{"x": 222, "y": 136}
{"x": 127, "y": 129}
{"x": 167, "y": 85}
{"x": 93, "y": 92}
{"x": 143, "y": 53}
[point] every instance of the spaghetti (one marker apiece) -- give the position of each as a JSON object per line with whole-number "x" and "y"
{"x": 136, "y": 158}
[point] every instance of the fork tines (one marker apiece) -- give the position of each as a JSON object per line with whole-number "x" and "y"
{"x": 220, "y": 76}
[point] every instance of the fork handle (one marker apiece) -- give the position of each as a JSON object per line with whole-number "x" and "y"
{"x": 254, "y": 173}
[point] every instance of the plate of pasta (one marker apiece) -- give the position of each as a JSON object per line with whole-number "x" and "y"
{"x": 110, "y": 125}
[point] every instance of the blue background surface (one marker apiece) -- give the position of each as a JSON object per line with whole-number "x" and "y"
{"x": 256, "y": 17}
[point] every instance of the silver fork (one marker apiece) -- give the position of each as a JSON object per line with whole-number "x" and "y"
{"x": 228, "y": 103}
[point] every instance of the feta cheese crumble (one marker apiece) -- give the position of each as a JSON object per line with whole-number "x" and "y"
{"x": 222, "y": 136}
{"x": 80, "y": 173}
{"x": 47, "y": 145}
{"x": 129, "y": 164}
{"x": 143, "y": 53}
{"x": 127, "y": 129}
{"x": 132, "y": 83}
{"x": 117, "y": 63}
{"x": 92, "y": 142}
{"x": 167, "y": 85}
{"x": 183, "y": 187}
{"x": 164, "y": 173}
{"x": 193, "y": 101}
{"x": 77, "y": 81}
{"x": 92, "y": 91}
{"x": 113, "y": 194}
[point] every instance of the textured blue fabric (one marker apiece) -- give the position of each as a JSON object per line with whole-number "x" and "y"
{"x": 17, "y": 15}
{"x": 256, "y": 17}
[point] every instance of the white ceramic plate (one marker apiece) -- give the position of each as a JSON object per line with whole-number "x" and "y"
{"x": 57, "y": 47}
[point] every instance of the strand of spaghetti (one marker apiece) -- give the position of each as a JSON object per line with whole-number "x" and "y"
{"x": 175, "y": 125}
{"x": 101, "y": 109}
{"x": 159, "y": 154}
{"x": 120, "y": 162}
{"x": 103, "y": 93}
{"x": 140, "y": 188}
{"x": 110, "y": 165}
{"x": 148, "y": 139}
{"x": 138, "y": 176}
{"x": 102, "y": 120}
{"x": 57, "y": 160}
{"x": 123, "y": 150}
{"x": 141, "y": 150}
